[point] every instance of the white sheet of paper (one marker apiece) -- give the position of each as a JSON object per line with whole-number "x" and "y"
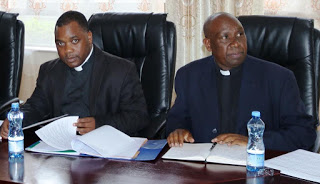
{"x": 107, "y": 141}
{"x": 59, "y": 133}
{"x": 235, "y": 155}
{"x": 196, "y": 152}
{"x": 300, "y": 163}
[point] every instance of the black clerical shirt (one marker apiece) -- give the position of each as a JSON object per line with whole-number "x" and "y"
{"x": 228, "y": 87}
{"x": 75, "y": 100}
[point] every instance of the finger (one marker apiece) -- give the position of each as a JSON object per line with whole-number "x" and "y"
{"x": 86, "y": 119}
{"x": 226, "y": 138}
{"x": 4, "y": 134}
{"x": 169, "y": 140}
{"x": 79, "y": 125}
{"x": 223, "y": 137}
{"x": 219, "y": 138}
{"x": 239, "y": 142}
{"x": 5, "y": 129}
{"x": 84, "y": 130}
{"x": 188, "y": 137}
{"x": 229, "y": 139}
{"x": 181, "y": 136}
{"x": 176, "y": 138}
{"x": 83, "y": 120}
{"x": 83, "y": 124}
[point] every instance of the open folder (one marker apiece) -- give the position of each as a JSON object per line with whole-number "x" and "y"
{"x": 221, "y": 153}
{"x": 59, "y": 137}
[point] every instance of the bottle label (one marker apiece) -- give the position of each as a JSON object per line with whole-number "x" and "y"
{"x": 16, "y": 146}
{"x": 255, "y": 160}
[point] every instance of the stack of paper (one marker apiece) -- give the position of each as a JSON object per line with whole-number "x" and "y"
{"x": 59, "y": 137}
{"x": 300, "y": 163}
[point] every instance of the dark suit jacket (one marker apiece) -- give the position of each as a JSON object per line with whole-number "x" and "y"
{"x": 116, "y": 97}
{"x": 265, "y": 87}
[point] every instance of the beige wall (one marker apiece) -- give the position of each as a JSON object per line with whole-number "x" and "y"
{"x": 33, "y": 58}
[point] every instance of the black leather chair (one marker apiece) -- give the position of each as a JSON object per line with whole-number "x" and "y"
{"x": 11, "y": 54}
{"x": 293, "y": 43}
{"x": 317, "y": 69}
{"x": 149, "y": 41}
{"x": 316, "y": 36}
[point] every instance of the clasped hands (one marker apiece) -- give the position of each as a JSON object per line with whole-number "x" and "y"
{"x": 179, "y": 136}
{"x": 84, "y": 125}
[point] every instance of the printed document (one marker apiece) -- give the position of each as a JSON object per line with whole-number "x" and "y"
{"x": 300, "y": 163}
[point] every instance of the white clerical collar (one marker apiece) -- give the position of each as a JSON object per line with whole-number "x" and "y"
{"x": 225, "y": 72}
{"x": 79, "y": 68}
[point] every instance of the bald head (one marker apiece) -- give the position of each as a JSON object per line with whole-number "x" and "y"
{"x": 216, "y": 17}
{"x": 225, "y": 39}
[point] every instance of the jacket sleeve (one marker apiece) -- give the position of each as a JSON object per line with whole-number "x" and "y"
{"x": 178, "y": 116}
{"x": 132, "y": 114}
{"x": 295, "y": 129}
{"x": 37, "y": 106}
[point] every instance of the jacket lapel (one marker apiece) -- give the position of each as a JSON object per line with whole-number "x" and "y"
{"x": 248, "y": 90}
{"x": 96, "y": 79}
{"x": 208, "y": 89}
{"x": 60, "y": 80}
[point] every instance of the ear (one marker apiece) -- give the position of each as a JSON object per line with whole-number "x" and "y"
{"x": 206, "y": 42}
{"x": 90, "y": 36}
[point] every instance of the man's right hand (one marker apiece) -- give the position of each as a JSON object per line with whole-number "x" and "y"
{"x": 5, "y": 129}
{"x": 177, "y": 137}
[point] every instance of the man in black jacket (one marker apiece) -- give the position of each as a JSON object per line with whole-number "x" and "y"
{"x": 216, "y": 95}
{"x": 84, "y": 81}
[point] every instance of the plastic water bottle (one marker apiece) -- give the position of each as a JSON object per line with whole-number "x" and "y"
{"x": 255, "y": 147}
{"x": 16, "y": 168}
{"x": 15, "y": 137}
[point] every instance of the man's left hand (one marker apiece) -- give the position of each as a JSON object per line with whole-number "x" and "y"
{"x": 231, "y": 139}
{"x": 85, "y": 125}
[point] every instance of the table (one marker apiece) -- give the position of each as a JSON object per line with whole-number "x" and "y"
{"x": 43, "y": 168}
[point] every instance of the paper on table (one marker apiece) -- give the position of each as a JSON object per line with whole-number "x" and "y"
{"x": 59, "y": 133}
{"x": 221, "y": 153}
{"x": 104, "y": 135}
{"x": 300, "y": 163}
{"x": 196, "y": 152}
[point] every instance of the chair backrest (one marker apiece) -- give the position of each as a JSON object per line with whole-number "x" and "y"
{"x": 149, "y": 41}
{"x": 289, "y": 42}
{"x": 293, "y": 43}
{"x": 316, "y": 35}
{"x": 11, "y": 54}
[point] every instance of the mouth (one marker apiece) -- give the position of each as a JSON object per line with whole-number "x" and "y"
{"x": 71, "y": 59}
{"x": 235, "y": 55}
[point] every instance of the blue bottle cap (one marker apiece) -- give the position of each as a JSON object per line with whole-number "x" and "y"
{"x": 256, "y": 113}
{"x": 15, "y": 105}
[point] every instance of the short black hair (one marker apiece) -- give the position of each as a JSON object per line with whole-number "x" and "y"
{"x": 71, "y": 16}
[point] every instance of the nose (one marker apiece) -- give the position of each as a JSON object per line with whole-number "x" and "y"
{"x": 69, "y": 48}
{"x": 234, "y": 42}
